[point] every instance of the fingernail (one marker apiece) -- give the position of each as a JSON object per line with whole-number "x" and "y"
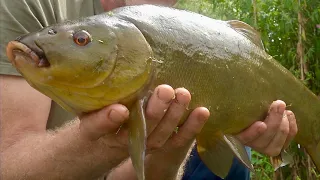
{"x": 182, "y": 98}
{"x": 117, "y": 116}
{"x": 272, "y": 108}
{"x": 203, "y": 117}
{"x": 280, "y": 107}
{"x": 165, "y": 96}
{"x": 290, "y": 115}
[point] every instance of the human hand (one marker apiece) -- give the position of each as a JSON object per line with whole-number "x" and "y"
{"x": 164, "y": 111}
{"x": 166, "y": 150}
{"x": 66, "y": 152}
{"x": 274, "y": 133}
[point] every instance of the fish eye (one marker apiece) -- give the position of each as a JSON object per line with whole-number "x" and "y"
{"x": 81, "y": 38}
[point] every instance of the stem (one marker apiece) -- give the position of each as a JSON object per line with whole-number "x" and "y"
{"x": 301, "y": 40}
{"x": 255, "y": 13}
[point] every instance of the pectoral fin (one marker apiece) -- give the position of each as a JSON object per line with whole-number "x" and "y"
{"x": 217, "y": 152}
{"x": 239, "y": 150}
{"x": 137, "y": 137}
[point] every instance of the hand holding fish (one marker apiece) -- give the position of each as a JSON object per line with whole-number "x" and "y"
{"x": 166, "y": 149}
{"x": 97, "y": 140}
{"x": 274, "y": 133}
{"x": 164, "y": 110}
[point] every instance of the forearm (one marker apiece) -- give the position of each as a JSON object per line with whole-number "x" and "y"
{"x": 59, "y": 155}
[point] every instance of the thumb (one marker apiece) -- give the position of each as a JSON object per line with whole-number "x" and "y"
{"x": 105, "y": 121}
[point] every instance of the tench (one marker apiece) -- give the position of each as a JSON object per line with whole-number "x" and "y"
{"x": 119, "y": 56}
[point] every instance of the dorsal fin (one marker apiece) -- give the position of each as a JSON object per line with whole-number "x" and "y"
{"x": 248, "y": 31}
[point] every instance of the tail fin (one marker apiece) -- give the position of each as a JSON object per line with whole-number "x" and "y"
{"x": 314, "y": 152}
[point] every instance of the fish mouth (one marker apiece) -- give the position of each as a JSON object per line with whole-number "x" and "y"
{"x": 32, "y": 53}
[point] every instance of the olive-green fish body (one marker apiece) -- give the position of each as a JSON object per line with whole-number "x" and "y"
{"x": 133, "y": 49}
{"x": 224, "y": 66}
{"x": 222, "y": 69}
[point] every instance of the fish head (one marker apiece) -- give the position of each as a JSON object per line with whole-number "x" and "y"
{"x": 84, "y": 64}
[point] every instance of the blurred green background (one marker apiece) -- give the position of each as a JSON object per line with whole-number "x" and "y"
{"x": 290, "y": 31}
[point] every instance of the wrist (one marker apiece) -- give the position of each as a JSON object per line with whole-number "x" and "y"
{"x": 79, "y": 151}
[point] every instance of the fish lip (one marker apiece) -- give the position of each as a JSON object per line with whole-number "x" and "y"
{"x": 35, "y": 53}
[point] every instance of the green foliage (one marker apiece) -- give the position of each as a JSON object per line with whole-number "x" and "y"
{"x": 262, "y": 165}
{"x": 278, "y": 24}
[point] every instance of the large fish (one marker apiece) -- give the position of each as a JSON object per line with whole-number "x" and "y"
{"x": 117, "y": 57}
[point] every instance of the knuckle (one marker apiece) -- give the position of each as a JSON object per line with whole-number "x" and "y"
{"x": 293, "y": 132}
{"x": 154, "y": 145}
{"x": 245, "y": 140}
{"x": 151, "y": 114}
{"x": 284, "y": 130}
{"x": 274, "y": 121}
{"x": 180, "y": 141}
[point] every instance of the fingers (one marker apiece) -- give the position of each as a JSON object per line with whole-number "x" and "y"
{"x": 174, "y": 152}
{"x": 106, "y": 121}
{"x": 276, "y": 144}
{"x": 157, "y": 106}
{"x": 253, "y": 132}
{"x": 272, "y": 122}
{"x": 272, "y": 135}
{"x": 274, "y": 119}
{"x": 188, "y": 131}
{"x": 293, "y": 128}
{"x": 170, "y": 120}
{"x": 169, "y": 116}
